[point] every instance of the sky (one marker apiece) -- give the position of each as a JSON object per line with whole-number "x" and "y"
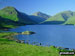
{"x": 50, "y": 7}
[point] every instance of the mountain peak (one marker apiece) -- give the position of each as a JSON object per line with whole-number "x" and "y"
{"x": 37, "y": 13}
{"x": 9, "y": 7}
{"x": 68, "y": 11}
{"x": 9, "y": 10}
{"x": 40, "y": 14}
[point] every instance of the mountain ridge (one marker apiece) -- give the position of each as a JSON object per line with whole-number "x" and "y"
{"x": 39, "y": 17}
{"x": 13, "y": 16}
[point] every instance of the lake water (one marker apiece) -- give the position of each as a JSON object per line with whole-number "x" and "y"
{"x": 57, "y": 35}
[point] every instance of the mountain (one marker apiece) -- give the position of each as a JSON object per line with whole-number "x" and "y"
{"x": 39, "y": 17}
{"x": 59, "y": 18}
{"x": 15, "y": 15}
{"x": 63, "y": 16}
{"x": 10, "y": 17}
{"x": 42, "y": 15}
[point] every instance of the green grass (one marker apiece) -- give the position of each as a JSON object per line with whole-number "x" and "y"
{"x": 9, "y": 12}
{"x": 70, "y": 21}
{"x": 11, "y": 48}
{"x": 5, "y": 34}
{"x": 17, "y": 49}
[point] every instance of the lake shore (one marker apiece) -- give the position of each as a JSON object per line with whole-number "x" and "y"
{"x": 20, "y": 49}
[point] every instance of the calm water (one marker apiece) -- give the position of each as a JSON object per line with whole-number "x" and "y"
{"x": 57, "y": 35}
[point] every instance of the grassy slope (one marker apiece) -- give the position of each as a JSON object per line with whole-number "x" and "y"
{"x": 6, "y": 23}
{"x": 10, "y": 13}
{"x": 56, "y": 18}
{"x": 8, "y": 18}
{"x": 63, "y": 16}
{"x": 60, "y": 16}
{"x": 11, "y": 48}
{"x": 70, "y": 21}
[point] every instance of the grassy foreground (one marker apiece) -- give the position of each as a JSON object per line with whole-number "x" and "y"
{"x": 11, "y": 48}
{"x": 16, "y": 49}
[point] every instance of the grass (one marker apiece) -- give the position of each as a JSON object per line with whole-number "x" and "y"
{"x": 4, "y": 34}
{"x": 17, "y": 49}
{"x": 71, "y": 21}
{"x": 11, "y": 48}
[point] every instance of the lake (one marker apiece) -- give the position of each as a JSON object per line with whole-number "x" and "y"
{"x": 57, "y": 35}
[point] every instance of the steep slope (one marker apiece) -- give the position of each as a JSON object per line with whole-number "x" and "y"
{"x": 70, "y": 21}
{"x": 59, "y": 18}
{"x": 7, "y": 23}
{"x": 13, "y": 14}
{"x": 39, "y": 17}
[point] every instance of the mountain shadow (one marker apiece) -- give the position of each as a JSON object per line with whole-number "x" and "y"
{"x": 37, "y": 19}
{"x": 7, "y": 23}
{"x": 54, "y": 22}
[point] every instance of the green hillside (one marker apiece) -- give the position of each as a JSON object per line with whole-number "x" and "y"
{"x": 60, "y": 17}
{"x": 70, "y": 21}
{"x": 9, "y": 12}
{"x": 10, "y": 17}
{"x": 13, "y": 14}
{"x": 6, "y": 23}
{"x": 63, "y": 16}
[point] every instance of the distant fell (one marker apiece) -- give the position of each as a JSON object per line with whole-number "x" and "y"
{"x": 40, "y": 14}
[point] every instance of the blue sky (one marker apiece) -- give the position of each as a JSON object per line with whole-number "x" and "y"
{"x": 50, "y": 7}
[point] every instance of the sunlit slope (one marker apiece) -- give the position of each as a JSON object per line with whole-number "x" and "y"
{"x": 71, "y": 21}
{"x": 60, "y": 17}
{"x": 15, "y": 15}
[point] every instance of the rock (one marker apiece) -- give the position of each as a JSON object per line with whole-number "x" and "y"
{"x": 27, "y": 32}
{"x": 19, "y": 41}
